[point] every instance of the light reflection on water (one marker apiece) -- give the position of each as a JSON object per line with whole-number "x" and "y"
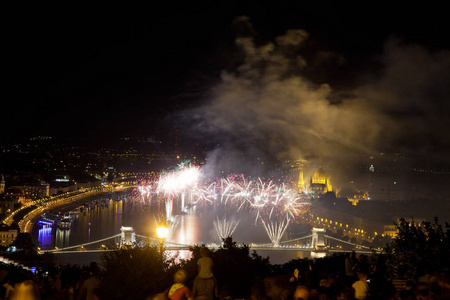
{"x": 45, "y": 237}
{"x": 107, "y": 217}
{"x": 62, "y": 238}
{"x": 178, "y": 255}
{"x": 187, "y": 231}
{"x": 122, "y": 209}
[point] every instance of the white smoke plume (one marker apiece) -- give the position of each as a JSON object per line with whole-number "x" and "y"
{"x": 414, "y": 93}
{"x": 268, "y": 105}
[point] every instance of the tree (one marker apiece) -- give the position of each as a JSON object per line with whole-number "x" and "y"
{"x": 381, "y": 241}
{"x": 236, "y": 268}
{"x": 135, "y": 273}
{"x": 24, "y": 241}
{"x": 418, "y": 247}
{"x": 139, "y": 272}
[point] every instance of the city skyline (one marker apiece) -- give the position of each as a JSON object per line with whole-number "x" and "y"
{"x": 282, "y": 79}
{"x": 306, "y": 130}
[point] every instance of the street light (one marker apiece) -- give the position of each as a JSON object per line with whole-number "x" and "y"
{"x": 162, "y": 230}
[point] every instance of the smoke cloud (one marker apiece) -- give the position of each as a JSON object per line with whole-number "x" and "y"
{"x": 413, "y": 92}
{"x": 268, "y": 107}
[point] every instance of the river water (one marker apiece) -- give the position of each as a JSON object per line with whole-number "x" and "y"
{"x": 101, "y": 216}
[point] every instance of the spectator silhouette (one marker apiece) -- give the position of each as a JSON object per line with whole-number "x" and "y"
{"x": 301, "y": 293}
{"x": 25, "y": 291}
{"x": 9, "y": 289}
{"x": 295, "y": 278}
{"x": 178, "y": 291}
{"x": 286, "y": 294}
{"x": 311, "y": 275}
{"x": 350, "y": 265}
{"x": 361, "y": 286}
{"x": 89, "y": 290}
{"x": 205, "y": 284}
{"x": 257, "y": 292}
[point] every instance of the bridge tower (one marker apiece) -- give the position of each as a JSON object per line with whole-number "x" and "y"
{"x": 318, "y": 242}
{"x": 128, "y": 236}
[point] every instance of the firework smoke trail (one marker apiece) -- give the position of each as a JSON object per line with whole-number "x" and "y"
{"x": 225, "y": 228}
{"x": 275, "y": 230}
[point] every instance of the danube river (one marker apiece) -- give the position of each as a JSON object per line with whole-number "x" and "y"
{"x": 101, "y": 216}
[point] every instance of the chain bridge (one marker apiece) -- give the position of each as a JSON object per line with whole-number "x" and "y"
{"x": 318, "y": 244}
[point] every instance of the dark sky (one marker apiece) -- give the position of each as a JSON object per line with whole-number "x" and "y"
{"x": 105, "y": 72}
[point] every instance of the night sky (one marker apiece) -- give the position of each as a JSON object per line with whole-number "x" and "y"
{"x": 366, "y": 77}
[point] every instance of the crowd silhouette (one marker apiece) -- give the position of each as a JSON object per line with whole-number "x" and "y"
{"x": 341, "y": 277}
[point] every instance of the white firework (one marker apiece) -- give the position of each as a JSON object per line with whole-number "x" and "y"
{"x": 145, "y": 191}
{"x": 225, "y": 228}
{"x": 173, "y": 224}
{"x": 275, "y": 230}
{"x": 169, "y": 208}
{"x": 176, "y": 182}
{"x": 207, "y": 194}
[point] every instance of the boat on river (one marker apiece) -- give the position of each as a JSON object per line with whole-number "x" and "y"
{"x": 56, "y": 220}
{"x": 65, "y": 222}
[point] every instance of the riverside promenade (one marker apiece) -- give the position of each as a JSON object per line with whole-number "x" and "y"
{"x": 43, "y": 205}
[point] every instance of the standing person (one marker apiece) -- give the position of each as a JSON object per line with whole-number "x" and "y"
{"x": 295, "y": 278}
{"x": 9, "y": 289}
{"x": 301, "y": 292}
{"x": 311, "y": 276}
{"x": 178, "y": 291}
{"x": 361, "y": 286}
{"x": 205, "y": 284}
{"x": 56, "y": 285}
{"x": 91, "y": 285}
{"x": 362, "y": 264}
{"x": 25, "y": 290}
{"x": 350, "y": 265}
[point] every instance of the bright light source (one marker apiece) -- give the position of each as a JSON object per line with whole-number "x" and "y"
{"x": 162, "y": 230}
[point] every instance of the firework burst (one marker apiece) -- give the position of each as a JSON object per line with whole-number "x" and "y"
{"x": 275, "y": 230}
{"x": 225, "y": 228}
{"x": 274, "y": 204}
{"x": 179, "y": 181}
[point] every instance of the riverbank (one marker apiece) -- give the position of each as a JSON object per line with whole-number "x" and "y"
{"x": 27, "y": 223}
